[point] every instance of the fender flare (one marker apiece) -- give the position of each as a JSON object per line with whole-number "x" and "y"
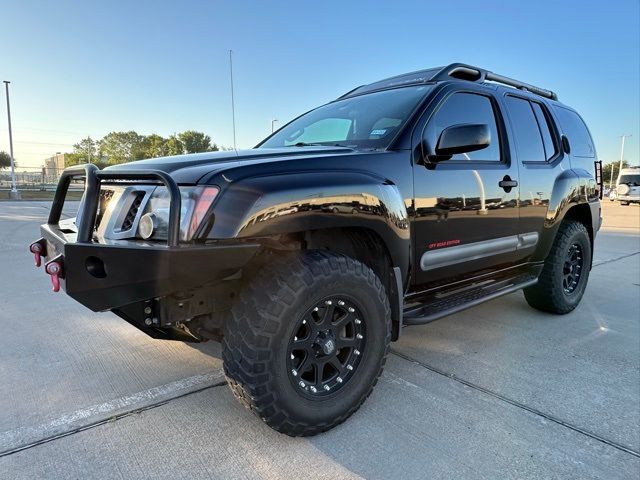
{"x": 284, "y": 203}
{"x": 571, "y": 188}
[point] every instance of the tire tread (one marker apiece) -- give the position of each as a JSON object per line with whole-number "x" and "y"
{"x": 251, "y": 328}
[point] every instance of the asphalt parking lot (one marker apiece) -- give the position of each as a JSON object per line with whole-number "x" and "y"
{"x": 499, "y": 391}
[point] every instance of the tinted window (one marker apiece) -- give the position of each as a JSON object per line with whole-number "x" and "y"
{"x": 461, "y": 108}
{"x": 525, "y": 130}
{"x": 629, "y": 179}
{"x": 365, "y": 121}
{"x": 325, "y": 130}
{"x": 576, "y": 131}
{"x": 545, "y": 130}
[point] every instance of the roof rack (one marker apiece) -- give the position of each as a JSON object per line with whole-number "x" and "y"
{"x": 458, "y": 71}
{"x": 463, "y": 71}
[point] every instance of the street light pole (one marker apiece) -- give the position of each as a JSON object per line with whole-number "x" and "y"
{"x": 233, "y": 104}
{"x": 273, "y": 121}
{"x": 622, "y": 152}
{"x": 14, "y": 190}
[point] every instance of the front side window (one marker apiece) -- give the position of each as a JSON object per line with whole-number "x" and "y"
{"x": 466, "y": 108}
{"x": 369, "y": 121}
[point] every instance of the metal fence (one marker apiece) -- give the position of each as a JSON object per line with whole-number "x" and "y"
{"x": 35, "y": 178}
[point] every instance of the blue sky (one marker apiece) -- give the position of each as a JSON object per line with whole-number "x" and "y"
{"x": 86, "y": 68}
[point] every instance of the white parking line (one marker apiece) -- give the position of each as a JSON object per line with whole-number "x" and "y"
{"x": 16, "y": 439}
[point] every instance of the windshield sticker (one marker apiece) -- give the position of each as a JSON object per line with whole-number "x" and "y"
{"x": 379, "y": 131}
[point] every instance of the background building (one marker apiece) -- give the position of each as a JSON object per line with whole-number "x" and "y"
{"x": 54, "y": 165}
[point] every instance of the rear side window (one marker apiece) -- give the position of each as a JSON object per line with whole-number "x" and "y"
{"x": 526, "y": 131}
{"x": 576, "y": 131}
{"x": 545, "y": 130}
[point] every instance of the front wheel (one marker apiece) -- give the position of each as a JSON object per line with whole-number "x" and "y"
{"x": 307, "y": 340}
{"x": 565, "y": 273}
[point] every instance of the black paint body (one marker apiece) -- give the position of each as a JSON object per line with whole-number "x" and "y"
{"x": 415, "y": 205}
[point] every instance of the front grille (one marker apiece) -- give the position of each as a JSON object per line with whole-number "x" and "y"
{"x": 127, "y": 223}
{"x": 103, "y": 203}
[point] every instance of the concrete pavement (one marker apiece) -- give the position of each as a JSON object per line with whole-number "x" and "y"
{"x": 499, "y": 391}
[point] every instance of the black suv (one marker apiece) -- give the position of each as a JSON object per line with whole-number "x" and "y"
{"x": 400, "y": 202}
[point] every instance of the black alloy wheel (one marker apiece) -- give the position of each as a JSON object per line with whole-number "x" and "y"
{"x": 565, "y": 273}
{"x": 326, "y": 348}
{"x": 572, "y": 269}
{"x": 306, "y": 340}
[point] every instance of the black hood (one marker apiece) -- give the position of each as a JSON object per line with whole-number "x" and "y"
{"x": 190, "y": 168}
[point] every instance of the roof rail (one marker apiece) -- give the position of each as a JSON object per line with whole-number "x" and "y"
{"x": 463, "y": 71}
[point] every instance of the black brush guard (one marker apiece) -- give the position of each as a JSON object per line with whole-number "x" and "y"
{"x": 113, "y": 275}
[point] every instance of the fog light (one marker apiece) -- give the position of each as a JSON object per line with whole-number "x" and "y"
{"x": 148, "y": 224}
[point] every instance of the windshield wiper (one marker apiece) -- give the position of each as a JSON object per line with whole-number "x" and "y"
{"x": 304, "y": 144}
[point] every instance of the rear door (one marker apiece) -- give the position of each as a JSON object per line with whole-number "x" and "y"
{"x": 465, "y": 217}
{"x": 536, "y": 145}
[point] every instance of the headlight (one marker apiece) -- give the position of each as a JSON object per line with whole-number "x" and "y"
{"x": 196, "y": 201}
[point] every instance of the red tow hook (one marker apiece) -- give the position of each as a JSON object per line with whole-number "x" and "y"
{"x": 55, "y": 269}
{"x": 38, "y": 248}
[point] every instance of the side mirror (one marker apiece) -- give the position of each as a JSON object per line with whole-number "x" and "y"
{"x": 462, "y": 139}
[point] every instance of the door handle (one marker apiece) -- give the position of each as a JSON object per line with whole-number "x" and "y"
{"x": 507, "y": 183}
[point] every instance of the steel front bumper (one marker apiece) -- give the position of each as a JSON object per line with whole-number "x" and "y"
{"x": 103, "y": 277}
{"x": 109, "y": 276}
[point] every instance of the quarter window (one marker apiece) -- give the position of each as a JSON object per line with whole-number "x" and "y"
{"x": 576, "y": 131}
{"x": 464, "y": 108}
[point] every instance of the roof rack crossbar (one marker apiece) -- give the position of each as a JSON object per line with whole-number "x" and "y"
{"x": 475, "y": 74}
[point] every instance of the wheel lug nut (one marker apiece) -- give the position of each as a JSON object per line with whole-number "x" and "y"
{"x": 313, "y": 389}
{"x": 356, "y": 352}
{"x": 292, "y": 356}
{"x": 359, "y": 336}
{"x": 304, "y": 322}
{"x": 328, "y": 302}
{"x": 358, "y": 321}
{"x": 315, "y": 309}
{"x": 349, "y": 367}
{"x": 351, "y": 309}
{"x": 302, "y": 384}
{"x": 340, "y": 302}
{"x": 339, "y": 379}
{"x": 294, "y": 372}
{"x": 327, "y": 388}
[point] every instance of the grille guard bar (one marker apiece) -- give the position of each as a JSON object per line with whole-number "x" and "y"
{"x": 91, "y": 197}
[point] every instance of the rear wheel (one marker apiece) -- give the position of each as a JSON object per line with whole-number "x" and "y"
{"x": 565, "y": 273}
{"x": 307, "y": 341}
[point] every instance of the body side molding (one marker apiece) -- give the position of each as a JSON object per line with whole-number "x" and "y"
{"x": 433, "y": 259}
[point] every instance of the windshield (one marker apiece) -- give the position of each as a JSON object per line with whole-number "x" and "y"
{"x": 368, "y": 121}
{"x": 630, "y": 179}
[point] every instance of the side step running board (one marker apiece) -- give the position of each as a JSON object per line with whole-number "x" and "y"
{"x": 443, "y": 304}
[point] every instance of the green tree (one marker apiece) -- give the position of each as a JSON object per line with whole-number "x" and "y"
{"x": 174, "y": 146}
{"x": 606, "y": 171}
{"x": 195, "y": 142}
{"x": 5, "y": 160}
{"x": 85, "y": 151}
{"x": 154, "y": 146}
{"x": 121, "y": 147}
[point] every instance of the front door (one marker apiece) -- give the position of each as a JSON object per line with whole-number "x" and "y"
{"x": 466, "y": 205}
